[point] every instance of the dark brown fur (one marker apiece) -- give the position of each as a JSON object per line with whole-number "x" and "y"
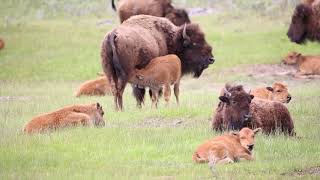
{"x": 305, "y": 23}
{"x": 141, "y": 38}
{"x": 159, "y": 8}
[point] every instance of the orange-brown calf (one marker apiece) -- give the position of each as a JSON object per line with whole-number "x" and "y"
{"x": 96, "y": 87}
{"x": 278, "y": 92}
{"x": 227, "y": 148}
{"x": 1, "y": 43}
{"x": 307, "y": 65}
{"x": 76, "y": 115}
{"x": 160, "y": 73}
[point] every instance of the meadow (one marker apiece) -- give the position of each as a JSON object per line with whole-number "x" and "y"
{"x": 49, "y": 52}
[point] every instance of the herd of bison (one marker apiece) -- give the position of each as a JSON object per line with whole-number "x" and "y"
{"x": 154, "y": 46}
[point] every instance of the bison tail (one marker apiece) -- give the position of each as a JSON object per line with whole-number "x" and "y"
{"x": 113, "y": 5}
{"x": 120, "y": 72}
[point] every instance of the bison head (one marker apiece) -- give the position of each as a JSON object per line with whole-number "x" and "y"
{"x": 236, "y": 109}
{"x": 247, "y": 137}
{"x": 298, "y": 27}
{"x": 178, "y": 16}
{"x": 195, "y": 53}
{"x": 279, "y": 92}
{"x": 292, "y": 58}
{"x": 98, "y": 115}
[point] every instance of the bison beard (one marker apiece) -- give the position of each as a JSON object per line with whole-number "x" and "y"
{"x": 125, "y": 49}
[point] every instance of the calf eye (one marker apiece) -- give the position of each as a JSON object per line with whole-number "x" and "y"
{"x": 279, "y": 91}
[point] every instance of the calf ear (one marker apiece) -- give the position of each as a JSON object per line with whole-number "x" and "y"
{"x": 251, "y": 96}
{"x": 234, "y": 133}
{"x": 224, "y": 99}
{"x": 299, "y": 55}
{"x": 98, "y": 105}
{"x": 269, "y": 89}
{"x": 256, "y": 130}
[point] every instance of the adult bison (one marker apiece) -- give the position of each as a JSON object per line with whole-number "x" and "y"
{"x": 141, "y": 38}
{"x": 159, "y": 8}
{"x": 305, "y": 23}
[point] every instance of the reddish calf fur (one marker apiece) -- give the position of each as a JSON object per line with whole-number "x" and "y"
{"x": 160, "y": 73}
{"x": 96, "y": 87}
{"x": 278, "y": 92}
{"x": 76, "y": 115}
{"x": 227, "y": 148}
{"x": 307, "y": 65}
{"x": 1, "y": 43}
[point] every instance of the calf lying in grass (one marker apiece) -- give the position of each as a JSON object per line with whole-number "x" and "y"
{"x": 76, "y": 115}
{"x": 307, "y": 65}
{"x": 278, "y": 92}
{"x": 227, "y": 148}
{"x": 96, "y": 87}
{"x": 160, "y": 73}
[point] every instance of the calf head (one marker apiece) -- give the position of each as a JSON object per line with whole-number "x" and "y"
{"x": 279, "y": 92}
{"x": 195, "y": 53}
{"x": 298, "y": 27}
{"x": 97, "y": 116}
{"x": 178, "y": 16}
{"x": 247, "y": 137}
{"x": 292, "y": 58}
{"x": 236, "y": 108}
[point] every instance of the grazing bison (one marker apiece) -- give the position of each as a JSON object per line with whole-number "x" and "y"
{"x": 160, "y": 73}
{"x": 227, "y": 148}
{"x": 141, "y": 38}
{"x": 96, "y": 87}
{"x": 91, "y": 114}
{"x": 278, "y": 92}
{"x": 159, "y": 8}
{"x": 236, "y": 111}
{"x": 1, "y": 43}
{"x": 305, "y": 23}
{"x": 233, "y": 108}
{"x": 307, "y": 65}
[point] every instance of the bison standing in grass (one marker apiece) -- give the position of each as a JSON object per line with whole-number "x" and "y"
{"x": 141, "y": 38}
{"x": 236, "y": 110}
{"x": 305, "y": 23}
{"x": 159, "y": 8}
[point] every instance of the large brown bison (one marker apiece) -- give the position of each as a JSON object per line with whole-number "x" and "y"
{"x": 236, "y": 110}
{"x": 141, "y": 38}
{"x": 305, "y": 23}
{"x": 159, "y": 8}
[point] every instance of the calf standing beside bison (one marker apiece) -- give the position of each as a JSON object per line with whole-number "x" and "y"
{"x": 141, "y": 38}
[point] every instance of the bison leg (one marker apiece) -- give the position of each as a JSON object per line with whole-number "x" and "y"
{"x": 139, "y": 95}
{"x": 176, "y": 91}
{"x": 155, "y": 98}
{"x": 121, "y": 85}
{"x": 167, "y": 93}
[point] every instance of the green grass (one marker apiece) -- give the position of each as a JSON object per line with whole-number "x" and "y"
{"x": 45, "y": 60}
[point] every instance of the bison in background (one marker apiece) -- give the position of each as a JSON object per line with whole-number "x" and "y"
{"x": 307, "y": 65}
{"x": 236, "y": 110}
{"x": 305, "y": 23}
{"x": 159, "y": 8}
{"x": 227, "y": 148}
{"x": 278, "y": 92}
{"x": 141, "y": 38}
{"x": 161, "y": 72}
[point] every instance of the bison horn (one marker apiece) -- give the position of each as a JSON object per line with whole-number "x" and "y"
{"x": 226, "y": 92}
{"x": 184, "y": 32}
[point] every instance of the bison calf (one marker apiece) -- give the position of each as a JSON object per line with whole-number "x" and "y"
{"x": 1, "y": 43}
{"x": 278, "y": 92}
{"x": 307, "y": 65}
{"x": 96, "y": 87}
{"x": 227, "y": 148}
{"x": 69, "y": 116}
{"x": 160, "y": 73}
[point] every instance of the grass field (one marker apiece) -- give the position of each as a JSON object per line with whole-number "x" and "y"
{"x": 45, "y": 59}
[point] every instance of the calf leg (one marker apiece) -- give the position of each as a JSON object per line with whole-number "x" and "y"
{"x": 155, "y": 98}
{"x": 176, "y": 91}
{"x": 167, "y": 93}
{"x": 139, "y": 95}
